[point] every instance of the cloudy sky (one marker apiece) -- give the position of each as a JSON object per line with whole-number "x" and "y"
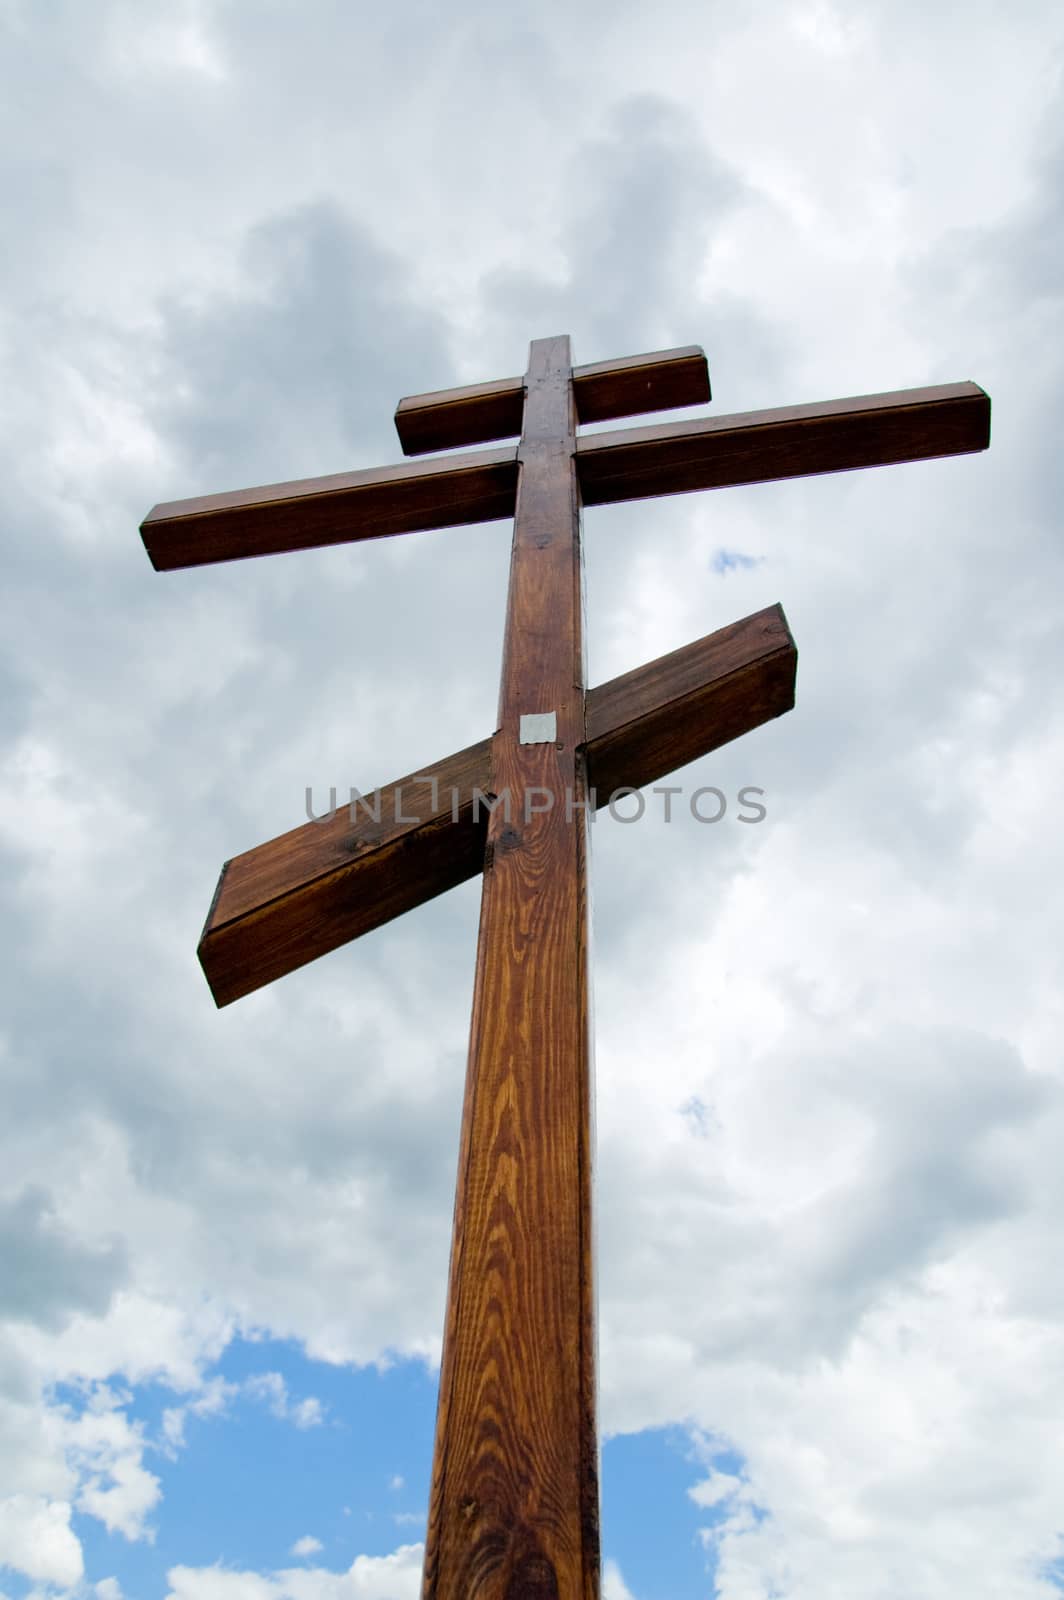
{"x": 830, "y": 1088}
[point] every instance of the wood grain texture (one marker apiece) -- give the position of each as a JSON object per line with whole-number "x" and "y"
{"x": 635, "y": 384}
{"x": 789, "y": 442}
{"x": 342, "y": 508}
{"x": 513, "y": 1512}
{"x": 656, "y": 719}
{"x": 288, "y": 901}
{"x": 449, "y": 419}
{"x": 671, "y": 458}
{"x": 453, "y": 418}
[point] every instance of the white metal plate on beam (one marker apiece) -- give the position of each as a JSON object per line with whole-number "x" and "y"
{"x": 539, "y": 727}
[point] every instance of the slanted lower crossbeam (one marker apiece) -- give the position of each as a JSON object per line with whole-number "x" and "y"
{"x": 299, "y": 896}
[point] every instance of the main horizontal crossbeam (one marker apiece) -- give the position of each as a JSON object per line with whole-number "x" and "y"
{"x": 342, "y": 508}
{"x": 293, "y": 899}
{"x": 630, "y": 464}
{"x": 874, "y": 430}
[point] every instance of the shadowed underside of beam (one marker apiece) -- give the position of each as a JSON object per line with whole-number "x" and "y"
{"x": 299, "y": 896}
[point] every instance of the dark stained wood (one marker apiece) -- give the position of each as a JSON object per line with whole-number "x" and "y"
{"x": 476, "y": 413}
{"x": 450, "y": 419}
{"x": 513, "y": 1511}
{"x": 659, "y": 717}
{"x": 671, "y": 458}
{"x": 790, "y": 442}
{"x": 313, "y": 889}
{"x": 346, "y": 506}
{"x": 657, "y": 382}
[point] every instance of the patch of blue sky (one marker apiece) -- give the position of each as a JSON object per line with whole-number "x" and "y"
{"x": 725, "y": 561}
{"x": 650, "y": 1525}
{"x": 248, "y": 1481}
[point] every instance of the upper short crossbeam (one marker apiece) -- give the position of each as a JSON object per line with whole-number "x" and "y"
{"x": 452, "y": 418}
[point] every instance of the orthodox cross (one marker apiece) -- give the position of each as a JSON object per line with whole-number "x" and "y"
{"x": 514, "y": 1503}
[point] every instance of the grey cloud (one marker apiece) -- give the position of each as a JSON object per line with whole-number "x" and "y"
{"x": 304, "y": 363}
{"x": 927, "y": 1172}
{"x": 46, "y": 1274}
{"x": 938, "y": 1170}
{"x": 643, "y": 204}
{"x": 303, "y": 661}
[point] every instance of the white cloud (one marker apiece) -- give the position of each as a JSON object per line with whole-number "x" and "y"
{"x": 36, "y": 1540}
{"x": 271, "y": 1388}
{"x": 715, "y": 1489}
{"x": 392, "y": 1577}
{"x": 613, "y": 1584}
{"x": 211, "y": 1399}
{"x": 217, "y": 1583}
{"x": 117, "y": 1488}
{"x": 307, "y": 1413}
{"x": 174, "y": 1428}
{"x": 307, "y": 1546}
{"x": 215, "y": 1396}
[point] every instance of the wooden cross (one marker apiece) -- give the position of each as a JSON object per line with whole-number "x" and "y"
{"x": 514, "y": 1509}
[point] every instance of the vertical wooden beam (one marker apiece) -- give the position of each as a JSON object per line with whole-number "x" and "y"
{"x": 514, "y": 1503}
